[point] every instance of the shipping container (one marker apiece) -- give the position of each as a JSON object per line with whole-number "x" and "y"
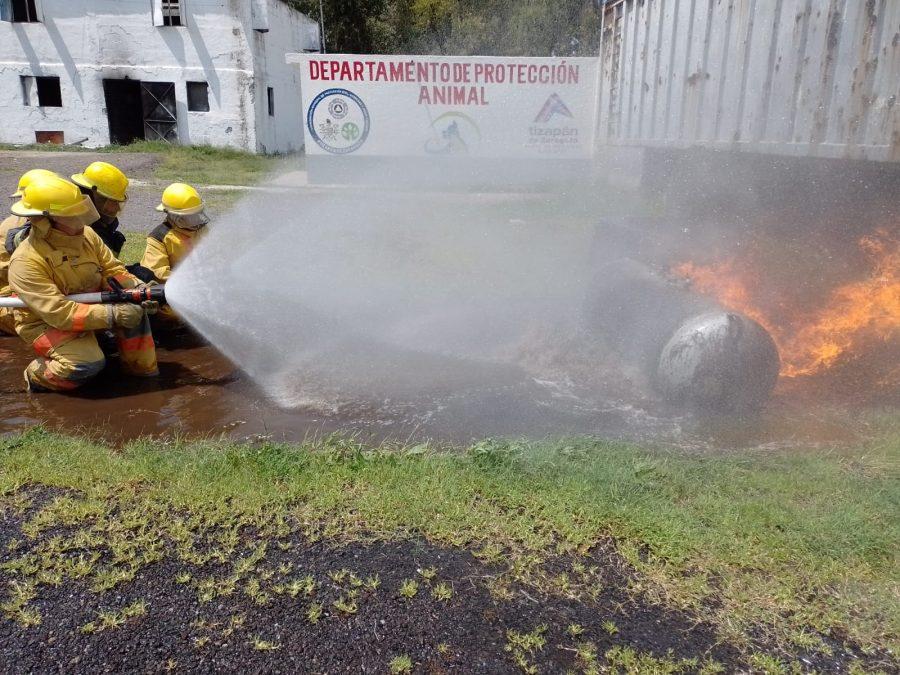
{"x": 807, "y": 78}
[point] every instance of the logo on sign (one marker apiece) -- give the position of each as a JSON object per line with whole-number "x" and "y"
{"x": 338, "y": 121}
{"x": 338, "y": 108}
{"x": 454, "y": 133}
{"x": 552, "y": 106}
{"x": 550, "y": 135}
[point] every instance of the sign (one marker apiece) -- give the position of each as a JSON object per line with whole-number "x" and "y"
{"x": 431, "y": 105}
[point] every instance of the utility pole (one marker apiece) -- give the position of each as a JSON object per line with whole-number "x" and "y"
{"x": 323, "y": 49}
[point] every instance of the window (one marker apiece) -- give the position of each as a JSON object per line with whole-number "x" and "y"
{"x": 271, "y": 94}
{"x": 29, "y": 92}
{"x": 42, "y": 91}
{"x": 23, "y": 11}
{"x": 168, "y": 12}
{"x": 198, "y": 96}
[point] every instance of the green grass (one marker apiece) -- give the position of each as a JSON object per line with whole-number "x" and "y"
{"x": 792, "y": 545}
{"x": 200, "y": 164}
{"x": 133, "y": 250}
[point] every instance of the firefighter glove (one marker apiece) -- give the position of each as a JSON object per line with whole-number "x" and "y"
{"x": 127, "y": 315}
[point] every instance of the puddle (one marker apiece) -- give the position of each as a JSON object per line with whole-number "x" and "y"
{"x": 200, "y": 393}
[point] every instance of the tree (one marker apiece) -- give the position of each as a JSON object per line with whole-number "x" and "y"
{"x": 460, "y": 27}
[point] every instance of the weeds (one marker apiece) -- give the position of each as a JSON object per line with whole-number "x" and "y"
{"x": 442, "y": 591}
{"x": 428, "y": 574}
{"x": 401, "y": 664}
{"x": 524, "y": 645}
{"x": 409, "y": 588}
{"x": 110, "y": 619}
{"x": 314, "y": 613}
{"x": 346, "y": 605}
{"x": 792, "y": 560}
{"x": 16, "y": 606}
{"x": 261, "y": 645}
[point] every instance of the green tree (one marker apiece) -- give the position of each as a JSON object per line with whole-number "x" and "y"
{"x": 460, "y": 27}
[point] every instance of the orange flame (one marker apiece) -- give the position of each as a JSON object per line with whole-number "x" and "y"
{"x": 855, "y": 312}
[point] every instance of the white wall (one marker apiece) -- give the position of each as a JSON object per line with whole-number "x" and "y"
{"x": 85, "y": 41}
{"x": 288, "y": 31}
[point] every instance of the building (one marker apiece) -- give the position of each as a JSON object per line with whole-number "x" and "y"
{"x": 94, "y": 72}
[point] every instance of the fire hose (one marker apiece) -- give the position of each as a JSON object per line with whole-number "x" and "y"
{"x": 117, "y": 294}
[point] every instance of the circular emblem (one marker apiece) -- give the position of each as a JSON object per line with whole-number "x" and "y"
{"x": 338, "y": 108}
{"x": 340, "y": 126}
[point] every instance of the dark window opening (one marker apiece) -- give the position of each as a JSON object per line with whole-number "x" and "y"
{"x": 171, "y": 12}
{"x": 198, "y": 96}
{"x": 48, "y": 92}
{"x": 24, "y": 11}
{"x": 271, "y": 95}
{"x": 28, "y": 92}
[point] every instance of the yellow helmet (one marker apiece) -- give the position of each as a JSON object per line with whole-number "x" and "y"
{"x": 180, "y": 199}
{"x": 104, "y": 179}
{"x": 52, "y": 196}
{"x": 28, "y": 178}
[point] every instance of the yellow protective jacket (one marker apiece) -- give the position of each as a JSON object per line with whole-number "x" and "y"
{"x": 49, "y": 265}
{"x": 167, "y": 246}
{"x": 7, "y": 231}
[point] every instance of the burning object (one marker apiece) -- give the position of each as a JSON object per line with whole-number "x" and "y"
{"x": 686, "y": 345}
{"x": 719, "y": 360}
{"x": 853, "y": 315}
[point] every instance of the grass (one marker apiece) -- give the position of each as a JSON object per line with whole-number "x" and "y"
{"x": 201, "y": 164}
{"x": 792, "y": 548}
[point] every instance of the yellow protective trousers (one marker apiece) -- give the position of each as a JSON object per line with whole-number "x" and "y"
{"x": 67, "y": 360}
{"x": 7, "y": 321}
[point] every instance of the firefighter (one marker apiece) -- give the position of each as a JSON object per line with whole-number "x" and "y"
{"x": 172, "y": 241}
{"x": 107, "y": 187}
{"x": 62, "y": 255}
{"x": 12, "y": 231}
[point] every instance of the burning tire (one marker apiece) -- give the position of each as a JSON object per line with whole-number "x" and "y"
{"x": 719, "y": 361}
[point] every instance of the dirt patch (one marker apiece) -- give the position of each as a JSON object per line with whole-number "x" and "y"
{"x": 452, "y": 622}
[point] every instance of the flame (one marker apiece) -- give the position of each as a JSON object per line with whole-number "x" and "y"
{"x": 814, "y": 341}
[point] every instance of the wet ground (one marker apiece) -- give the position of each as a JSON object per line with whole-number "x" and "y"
{"x": 201, "y": 394}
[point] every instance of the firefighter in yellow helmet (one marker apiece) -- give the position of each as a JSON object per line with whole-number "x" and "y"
{"x": 172, "y": 241}
{"x": 62, "y": 256}
{"x": 107, "y": 187}
{"x": 12, "y": 231}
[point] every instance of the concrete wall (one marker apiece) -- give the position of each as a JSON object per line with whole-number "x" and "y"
{"x": 85, "y": 41}
{"x": 282, "y": 132}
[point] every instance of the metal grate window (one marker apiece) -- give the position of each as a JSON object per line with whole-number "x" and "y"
{"x": 171, "y": 12}
{"x": 19, "y": 11}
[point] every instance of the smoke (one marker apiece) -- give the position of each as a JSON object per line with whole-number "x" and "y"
{"x": 468, "y": 312}
{"x": 457, "y": 303}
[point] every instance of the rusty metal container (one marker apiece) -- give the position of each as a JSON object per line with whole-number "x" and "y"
{"x": 805, "y": 78}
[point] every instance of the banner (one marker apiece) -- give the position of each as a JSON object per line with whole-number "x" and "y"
{"x": 431, "y": 105}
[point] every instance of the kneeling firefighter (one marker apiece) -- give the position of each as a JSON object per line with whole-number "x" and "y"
{"x": 107, "y": 187}
{"x": 13, "y": 231}
{"x": 61, "y": 256}
{"x": 171, "y": 242}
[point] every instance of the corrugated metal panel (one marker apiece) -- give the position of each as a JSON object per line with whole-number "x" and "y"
{"x": 817, "y": 78}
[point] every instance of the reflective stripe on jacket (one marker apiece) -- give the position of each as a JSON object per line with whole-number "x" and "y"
{"x": 49, "y": 265}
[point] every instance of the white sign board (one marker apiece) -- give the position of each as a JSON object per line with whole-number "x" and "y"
{"x": 431, "y": 105}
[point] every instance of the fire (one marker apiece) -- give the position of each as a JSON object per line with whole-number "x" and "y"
{"x": 814, "y": 341}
